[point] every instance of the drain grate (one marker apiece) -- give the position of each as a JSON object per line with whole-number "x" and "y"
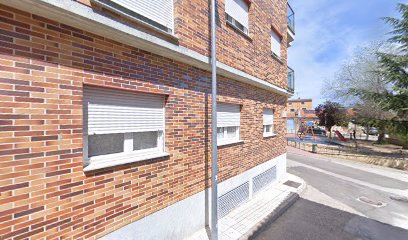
{"x": 232, "y": 199}
{"x": 371, "y": 202}
{"x": 262, "y": 180}
{"x": 399, "y": 198}
{"x": 292, "y": 184}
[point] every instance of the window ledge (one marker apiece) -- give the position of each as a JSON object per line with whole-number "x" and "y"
{"x": 225, "y": 143}
{"x": 269, "y": 135}
{"x": 277, "y": 58}
{"x": 115, "y": 161}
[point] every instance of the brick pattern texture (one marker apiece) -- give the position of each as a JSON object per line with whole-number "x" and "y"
{"x": 251, "y": 54}
{"x": 44, "y": 65}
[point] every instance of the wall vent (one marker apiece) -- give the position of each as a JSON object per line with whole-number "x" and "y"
{"x": 232, "y": 199}
{"x": 262, "y": 180}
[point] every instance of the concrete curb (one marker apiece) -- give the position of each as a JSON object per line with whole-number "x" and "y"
{"x": 255, "y": 230}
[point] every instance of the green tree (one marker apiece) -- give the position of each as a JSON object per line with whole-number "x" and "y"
{"x": 361, "y": 73}
{"x": 392, "y": 70}
{"x": 330, "y": 114}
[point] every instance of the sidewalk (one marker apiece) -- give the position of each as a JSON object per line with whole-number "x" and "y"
{"x": 246, "y": 218}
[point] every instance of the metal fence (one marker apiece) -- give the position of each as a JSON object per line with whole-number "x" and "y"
{"x": 291, "y": 80}
{"x": 350, "y": 150}
{"x": 291, "y": 19}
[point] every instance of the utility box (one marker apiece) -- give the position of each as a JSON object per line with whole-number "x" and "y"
{"x": 314, "y": 148}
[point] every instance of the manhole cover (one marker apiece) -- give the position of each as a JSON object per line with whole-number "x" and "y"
{"x": 374, "y": 203}
{"x": 292, "y": 184}
{"x": 400, "y": 198}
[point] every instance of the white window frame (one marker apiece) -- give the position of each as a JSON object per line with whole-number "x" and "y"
{"x": 238, "y": 24}
{"x": 276, "y": 50}
{"x": 269, "y": 124}
{"x": 137, "y": 16}
{"x": 128, "y": 155}
{"x": 128, "y": 149}
{"x": 225, "y": 139}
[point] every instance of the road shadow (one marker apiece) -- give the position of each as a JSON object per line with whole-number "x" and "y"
{"x": 314, "y": 221}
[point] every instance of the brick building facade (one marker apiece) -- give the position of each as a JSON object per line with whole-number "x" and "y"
{"x": 299, "y": 110}
{"x": 51, "y": 51}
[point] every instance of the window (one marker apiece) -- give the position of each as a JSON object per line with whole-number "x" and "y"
{"x": 228, "y": 122}
{"x": 276, "y": 44}
{"x": 120, "y": 124}
{"x": 158, "y": 13}
{"x": 302, "y": 103}
{"x": 303, "y": 108}
{"x": 268, "y": 122}
{"x": 236, "y": 12}
{"x": 292, "y": 110}
{"x": 290, "y": 104}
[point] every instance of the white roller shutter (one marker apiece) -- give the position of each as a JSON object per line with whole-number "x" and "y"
{"x": 276, "y": 44}
{"x": 160, "y": 11}
{"x": 268, "y": 117}
{"x": 228, "y": 115}
{"x": 238, "y": 9}
{"x": 115, "y": 111}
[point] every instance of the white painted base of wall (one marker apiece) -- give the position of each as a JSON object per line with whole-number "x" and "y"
{"x": 189, "y": 215}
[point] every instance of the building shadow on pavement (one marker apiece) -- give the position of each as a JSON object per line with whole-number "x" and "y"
{"x": 308, "y": 220}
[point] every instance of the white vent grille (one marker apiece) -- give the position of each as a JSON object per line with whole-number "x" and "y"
{"x": 232, "y": 199}
{"x": 262, "y": 180}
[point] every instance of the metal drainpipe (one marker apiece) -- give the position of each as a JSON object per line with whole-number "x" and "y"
{"x": 214, "y": 149}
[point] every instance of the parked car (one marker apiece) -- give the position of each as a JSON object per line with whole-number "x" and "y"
{"x": 319, "y": 131}
{"x": 371, "y": 131}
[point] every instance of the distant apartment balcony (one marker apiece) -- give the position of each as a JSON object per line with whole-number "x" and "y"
{"x": 291, "y": 80}
{"x": 291, "y": 25}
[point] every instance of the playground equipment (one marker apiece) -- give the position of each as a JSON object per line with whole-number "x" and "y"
{"x": 341, "y": 137}
{"x": 304, "y": 128}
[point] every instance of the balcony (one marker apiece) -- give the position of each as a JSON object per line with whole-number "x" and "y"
{"x": 291, "y": 25}
{"x": 291, "y": 80}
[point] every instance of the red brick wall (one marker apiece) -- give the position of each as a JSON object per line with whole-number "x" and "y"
{"x": 251, "y": 54}
{"x": 43, "y": 189}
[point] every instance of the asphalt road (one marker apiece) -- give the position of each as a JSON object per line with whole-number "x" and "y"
{"x": 329, "y": 208}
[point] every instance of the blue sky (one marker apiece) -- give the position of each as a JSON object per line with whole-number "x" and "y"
{"x": 327, "y": 34}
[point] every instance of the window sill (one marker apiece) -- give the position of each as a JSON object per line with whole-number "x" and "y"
{"x": 277, "y": 58}
{"x": 115, "y": 161}
{"x": 239, "y": 31}
{"x": 225, "y": 143}
{"x": 269, "y": 135}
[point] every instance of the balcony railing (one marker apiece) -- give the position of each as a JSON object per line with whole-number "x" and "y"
{"x": 291, "y": 80}
{"x": 291, "y": 19}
